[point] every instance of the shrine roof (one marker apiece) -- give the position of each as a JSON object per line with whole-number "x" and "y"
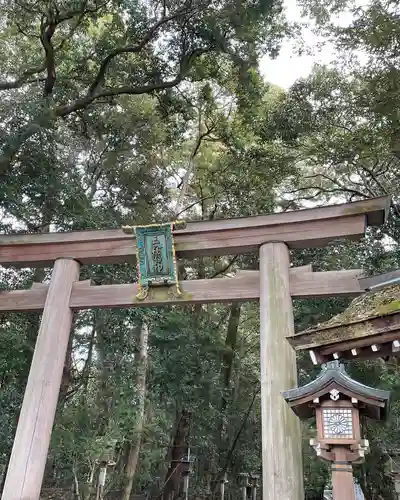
{"x": 365, "y": 307}
{"x": 374, "y": 315}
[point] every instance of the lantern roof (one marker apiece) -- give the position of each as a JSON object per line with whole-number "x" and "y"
{"x": 371, "y": 402}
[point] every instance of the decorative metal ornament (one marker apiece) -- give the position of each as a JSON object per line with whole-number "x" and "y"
{"x": 334, "y": 394}
{"x": 338, "y": 423}
{"x": 156, "y": 259}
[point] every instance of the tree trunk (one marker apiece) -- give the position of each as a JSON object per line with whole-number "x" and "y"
{"x": 226, "y": 370}
{"x": 67, "y": 371}
{"x": 134, "y": 446}
{"x": 236, "y": 390}
{"x": 229, "y": 353}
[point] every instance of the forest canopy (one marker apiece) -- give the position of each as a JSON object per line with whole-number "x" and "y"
{"x": 137, "y": 111}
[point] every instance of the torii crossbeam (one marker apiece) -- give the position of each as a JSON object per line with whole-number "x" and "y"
{"x": 274, "y": 285}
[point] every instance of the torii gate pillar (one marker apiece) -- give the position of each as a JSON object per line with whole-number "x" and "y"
{"x": 281, "y": 438}
{"x": 32, "y": 439}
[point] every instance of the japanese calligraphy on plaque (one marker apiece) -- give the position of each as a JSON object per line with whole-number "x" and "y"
{"x": 156, "y": 257}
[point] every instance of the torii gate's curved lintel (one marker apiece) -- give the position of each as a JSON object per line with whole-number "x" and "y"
{"x": 311, "y": 228}
{"x": 274, "y": 285}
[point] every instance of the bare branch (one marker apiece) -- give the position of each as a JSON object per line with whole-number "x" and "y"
{"x": 343, "y": 190}
{"x": 335, "y": 182}
{"x": 71, "y": 33}
{"x": 25, "y": 33}
{"x": 191, "y": 205}
{"x": 374, "y": 178}
{"x": 184, "y": 184}
{"x": 225, "y": 268}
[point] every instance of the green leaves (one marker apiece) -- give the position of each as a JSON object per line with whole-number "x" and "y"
{"x": 87, "y": 55}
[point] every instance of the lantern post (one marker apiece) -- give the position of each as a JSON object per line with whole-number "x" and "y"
{"x": 243, "y": 480}
{"x": 254, "y": 478}
{"x": 337, "y": 401}
{"x": 186, "y": 470}
{"x": 222, "y": 482}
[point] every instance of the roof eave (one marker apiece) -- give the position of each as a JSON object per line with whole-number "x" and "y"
{"x": 329, "y": 376}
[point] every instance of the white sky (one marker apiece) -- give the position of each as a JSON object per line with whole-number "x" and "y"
{"x": 289, "y": 66}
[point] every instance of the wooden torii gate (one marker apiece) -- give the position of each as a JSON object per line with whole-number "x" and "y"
{"x": 273, "y": 285}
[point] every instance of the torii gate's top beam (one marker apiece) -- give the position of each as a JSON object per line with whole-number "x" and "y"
{"x": 309, "y": 228}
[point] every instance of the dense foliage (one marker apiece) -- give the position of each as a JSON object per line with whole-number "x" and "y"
{"x": 117, "y": 111}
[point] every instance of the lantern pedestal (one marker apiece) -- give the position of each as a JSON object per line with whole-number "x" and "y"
{"x": 341, "y": 458}
{"x": 342, "y": 475}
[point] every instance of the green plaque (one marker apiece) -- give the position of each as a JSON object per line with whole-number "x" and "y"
{"x": 156, "y": 258}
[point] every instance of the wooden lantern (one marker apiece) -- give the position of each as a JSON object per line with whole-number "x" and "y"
{"x": 337, "y": 402}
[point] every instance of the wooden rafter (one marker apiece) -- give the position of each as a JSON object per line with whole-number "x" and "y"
{"x": 299, "y": 229}
{"x": 245, "y": 286}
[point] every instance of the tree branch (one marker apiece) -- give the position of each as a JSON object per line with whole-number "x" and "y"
{"x": 183, "y": 186}
{"x": 46, "y": 35}
{"x": 25, "y": 33}
{"x": 23, "y": 79}
{"x": 191, "y": 205}
{"x": 98, "y": 81}
{"x": 343, "y": 190}
{"x": 185, "y": 65}
{"x": 374, "y": 177}
{"x": 78, "y": 12}
{"x": 237, "y": 436}
{"x": 225, "y": 268}
{"x": 48, "y": 28}
{"x": 338, "y": 184}
{"x": 11, "y": 149}
{"x": 71, "y": 33}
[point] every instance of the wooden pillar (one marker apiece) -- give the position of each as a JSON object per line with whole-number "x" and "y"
{"x": 342, "y": 476}
{"x": 28, "y": 458}
{"x": 281, "y": 438}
